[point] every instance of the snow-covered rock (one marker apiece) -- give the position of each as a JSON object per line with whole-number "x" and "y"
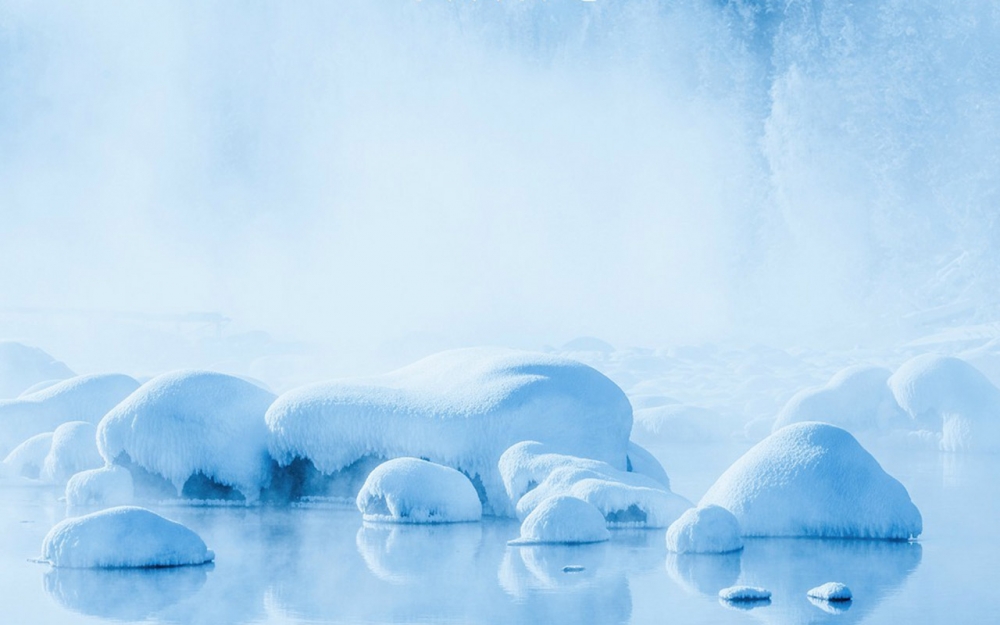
{"x": 193, "y": 424}
{"x": 563, "y": 519}
{"x": 952, "y": 396}
{"x": 22, "y": 366}
{"x": 644, "y": 463}
{"x": 857, "y": 399}
{"x": 74, "y": 449}
{"x": 460, "y": 408}
{"x": 814, "y": 479}
{"x": 744, "y": 593}
{"x": 38, "y": 386}
{"x": 83, "y": 398}
{"x": 411, "y": 490}
{"x": 27, "y": 459}
{"x": 108, "y": 486}
{"x": 124, "y": 537}
{"x": 705, "y": 530}
{"x": 831, "y": 591}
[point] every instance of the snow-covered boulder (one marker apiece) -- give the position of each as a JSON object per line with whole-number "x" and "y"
{"x": 124, "y": 537}
{"x": 74, "y": 449}
{"x": 193, "y": 425}
{"x": 705, "y": 530}
{"x": 460, "y": 408}
{"x": 411, "y": 490}
{"x": 565, "y": 520}
{"x": 857, "y": 399}
{"x": 27, "y": 459}
{"x": 38, "y": 386}
{"x": 951, "y": 395}
{"x": 830, "y": 591}
{"x": 108, "y": 486}
{"x": 22, "y": 366}
{"x": 814, "y": 479}
{"x": 644, "y": 463}
{"x": 745, "y": 593}
{"x": 83, "y": 398}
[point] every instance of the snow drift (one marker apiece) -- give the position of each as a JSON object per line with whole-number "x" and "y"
{"x": 202, "y": 432}
{"x": 460, "y": 408}
{"x": 22, "y": 366}
{"x": 411, "y": 490}
{"x": 125, "y": 537}
{"x": 563, "y": 519}
{"x": 857, "y": 399}
{"x": 705, "y": 530}
{"x": 814, "y": 479}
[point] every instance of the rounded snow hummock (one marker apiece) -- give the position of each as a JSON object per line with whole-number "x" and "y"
{"x": 814, "y": 479}
{"x": 125, "y": 537}
{"x": 73, "y": 449}
{"x": 744, "y": 593}
{"x": 857, "y": 399}
{"x": 28, "y": 458}
{"x": 831, "y": 591}
{"x": 108, "y": 486}
{"x": 411, "y": 490}
{"x": 705, "y": 530}
{"x": 22, "y": 366}
{"x": 563, "y": 520}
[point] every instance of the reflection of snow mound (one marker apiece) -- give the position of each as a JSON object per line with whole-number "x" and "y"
{"x": 814, "y": 479}
{"x": 565, "y": 520}
{"x": 407, "y": 554}
{"x": 710, "y": 529}
{"x": 856, "y": 399}
{"x": 125, "y": 537}
{"x": 22, "y": 366}
{"x": 460, "y": 408}
{"x": 188, "y": 424}
{"x": 107, "y": 486}
{"x": 704, "y": 573}
{"x": 123, "y": 594}
{"x": 410, "y": 490}
{"x": 27, "y": 459}
{"x": 74, "y": 449}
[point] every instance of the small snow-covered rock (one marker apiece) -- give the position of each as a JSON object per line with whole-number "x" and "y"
{"x": 26, "y": 459}
{"x": 857, "y": 399}
{"x": 705, "y": 530}
{"x": 744, "y": 593}
{"x": 814, "y": 479}
{"x": 411, "y": 490}
{"x": 108, "y": 486}
{"x": 74, "y": 449}
{"x": 831, "y": 591}
{"x": 125, "y": 537}
{"x": 566, "y": 520}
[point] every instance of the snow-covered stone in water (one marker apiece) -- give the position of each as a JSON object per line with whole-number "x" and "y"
{"x": 566, "y": 520}
{"x": 644, "y": 463}
{"x": 74, "y": 449}
{"x": 193, "y": 427}
{"x": 744, "y": 593}
{"x": 411, "y": 490}
{"x": 108, "y": 486}
{"x": 460, "y": 408}
{"x": 124, "y": 537}
{"x": 533, "y": 473}
{"x": 814, "y": 479}
{"x": 27, "y": 459}
{"x": 831, "y": 591}
{"x": 22, "y": 366}
{"x": 83, "y": 398}
{"x": 705, "y": 530}
{"x": 951, "y": 395}
{"x": 857, "y": 399}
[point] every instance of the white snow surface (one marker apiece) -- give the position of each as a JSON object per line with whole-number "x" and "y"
{"x": 73, "y": 449}
{"x": 22, "y": 366}
{"x": 187, "y": 422}
{"x": 107, "y": 486}
{"x": 83, "y": 398}
{"x": 460, "y": 408}
{"x": 711, "y": 529}
{"x": 857, "y": 399}
{"x": 949, "y": 394}
{"x": 563, "y": 519}
{"x": 815, "y": 480}
{"x": 831, "y": 591}
{"x": 27, "y": 459}
{"x": 744, "y": 593}
{"x": 642, "y": 462}
{"x": 123, "y": 537}
{"x": 411, "y": 490}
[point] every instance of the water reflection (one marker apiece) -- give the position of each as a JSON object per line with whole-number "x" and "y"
{"x": 419, "y": 554}
{"x": 704, "y": 573}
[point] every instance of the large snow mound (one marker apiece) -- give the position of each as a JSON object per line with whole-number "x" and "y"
{"x": 124, "y": 537}
{"x": 460, "y": 408}
{"x": 814, "y": 479}
{"x": 108, "y": 486}
{"x": 711, "y": 529}
{"x": 83, "y": 398}
{"x": 27, "y": 459}
{"x": 22, "y": 366}
{"x": 411, "y": 490}
{"x": 857, "y": 399}
{"x": 193, "y": 424}
{"x": 950, "y": 394}
{"x": 533, "y": 473}
{"x": 562, "y": 519}
{"x": 73, "y": 449}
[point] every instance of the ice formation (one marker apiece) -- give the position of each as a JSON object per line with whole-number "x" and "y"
{"x": 563, "y": 519}
{"x": 857, "y": 399}
{"x": 744, "y": 593}
{"x": 532, "y": 473}
{"x": 814, "y": 479}
{"x": 83, "y": 398}
{"x": 22, "y": 366}
{"x": 411, "y": 490}
{"x": 831, "y": 591}
{"x": 26, "y": 459}
{"x": 950, "y": 395}
{"x": 108, "y": 486}
{"x": 124, "y": 537}
{"x": 460, "y": 408}
{"x": 710, "y": 529}
{"x": 73, "y": 449}
{"x": 193, "y": 427}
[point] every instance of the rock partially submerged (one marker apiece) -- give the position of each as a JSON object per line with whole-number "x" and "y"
{"x": 411, "y": 490}
{"x": 710, "y": 529}
{"x": 563, "y": 520}
{"x": 107, "y": 486}
{"x": 744, "y": 594}
{"x": 831, "y": 591}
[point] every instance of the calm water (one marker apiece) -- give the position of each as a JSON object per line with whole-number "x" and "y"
{"x": 322, "y": 564}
